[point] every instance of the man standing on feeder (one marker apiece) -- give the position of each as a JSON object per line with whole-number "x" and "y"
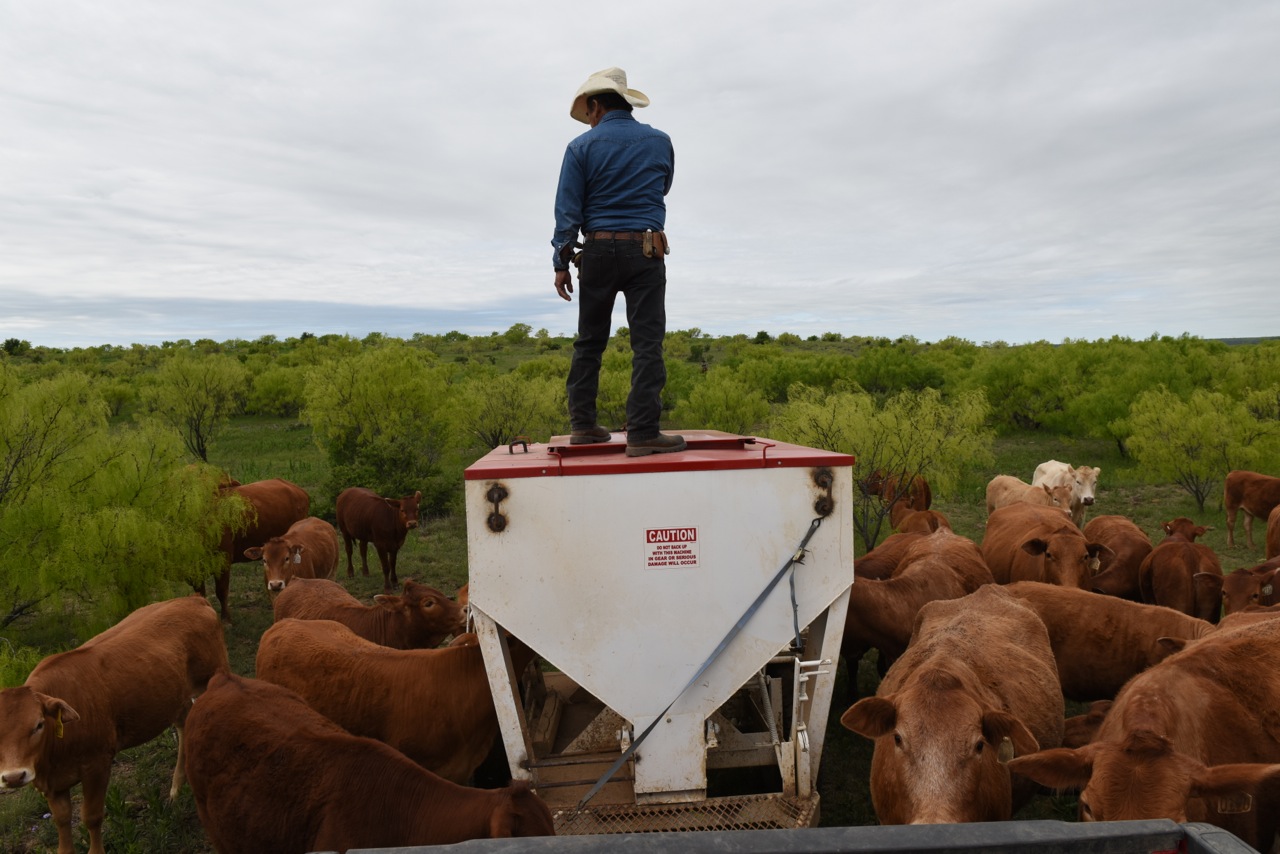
{"x": 612, "y": 186}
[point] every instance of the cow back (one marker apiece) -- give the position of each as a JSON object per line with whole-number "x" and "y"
{"x": 433, "y": 705}
{"x": 272, "y": 506}
{"x": 1100, "y": 642}
{"x": 1127, "y": 546}
{"x": 342, "y": 791}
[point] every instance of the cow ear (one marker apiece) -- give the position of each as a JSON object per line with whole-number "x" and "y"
{"x": 1035, "y": 546}
{"x": 51, "y": 706}
{"x": 998, "y": 726}
{"x": 417, "y": 496}
{"x": 1058, "y": 768}
{"x": 871, "y": 717}
{"x": 384, "y": 599}
{"x": 1168, "y": 646}
{"x": 1233, "y": 788}
{"x": 253, "y": 553}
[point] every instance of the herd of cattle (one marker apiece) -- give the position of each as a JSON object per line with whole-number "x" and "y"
{"x": 986, "y": 641}
{"x": 983, "y": 643}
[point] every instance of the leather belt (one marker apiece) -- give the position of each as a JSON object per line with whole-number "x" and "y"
{"x": 617, "y": 235}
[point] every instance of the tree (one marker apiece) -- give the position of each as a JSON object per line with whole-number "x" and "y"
{"x": 195, "y": 395}
{"x": 1196, "y": 441}
{"x": 109, "y": 519}
{"x": 722, "y": 402}
{"x": 913, "y": 434}
{"x": 495, "y": 409}
{"x": 380, "y": 418}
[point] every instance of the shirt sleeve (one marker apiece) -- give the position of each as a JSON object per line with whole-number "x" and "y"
{"x": 569, "y": 200}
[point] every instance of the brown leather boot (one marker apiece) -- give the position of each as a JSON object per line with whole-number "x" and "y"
{"x": 659, "y": 444}
{"x": 589, "y": 436}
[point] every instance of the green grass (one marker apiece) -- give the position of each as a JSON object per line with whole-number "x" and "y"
{"x": 140, "y": 818}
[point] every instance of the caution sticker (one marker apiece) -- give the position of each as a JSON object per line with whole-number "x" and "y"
{"x": 671, "y": 548}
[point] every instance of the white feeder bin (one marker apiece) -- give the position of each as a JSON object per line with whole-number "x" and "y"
{"x": 668, "y": 593}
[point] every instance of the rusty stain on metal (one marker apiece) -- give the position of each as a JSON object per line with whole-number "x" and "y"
{"x": 495, "y": 495}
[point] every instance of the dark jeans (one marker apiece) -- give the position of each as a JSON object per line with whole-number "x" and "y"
{"x": 610, "y": 267}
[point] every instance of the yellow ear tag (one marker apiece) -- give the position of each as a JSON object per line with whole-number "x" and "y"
{"x": 1005, "y": 752}
{"x": 57, "y": 728}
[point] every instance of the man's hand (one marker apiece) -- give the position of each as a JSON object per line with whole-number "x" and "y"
{"x": 564, "y": 284}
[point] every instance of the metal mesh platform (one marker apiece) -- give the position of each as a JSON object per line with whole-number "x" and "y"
{"x": 747, "y": 812}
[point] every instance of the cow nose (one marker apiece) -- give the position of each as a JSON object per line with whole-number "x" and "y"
{"x": 412, "y": 523}
{"x": 1087, "y": 501}
{"x": 13, "y": 779}
{"x": 275, "y": 586}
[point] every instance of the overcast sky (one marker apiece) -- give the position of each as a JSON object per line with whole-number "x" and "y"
{"x": 1007, "y": 170}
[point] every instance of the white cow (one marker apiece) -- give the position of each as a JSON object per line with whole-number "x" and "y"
{"x": 1083, "y": 481}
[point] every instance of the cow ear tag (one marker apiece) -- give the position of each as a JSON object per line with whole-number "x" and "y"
{"x": 1266, "y": 591}
{"x": 297, "y": 558}
{"x": 1241, "y": 802}
{"x": 1005, "y": 752}
{"x": 57, "y": 726}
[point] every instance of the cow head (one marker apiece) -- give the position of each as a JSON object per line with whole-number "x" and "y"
{"x": 431, "y": 615}
{"x": 406, "y": 508}
{"x": 1069, "y": 560}
{"x": 1143, "y": 776}
{"x": 29, "y": 720}
{"x": 939, "y": 754}
{"x": 1244, "y": 587}
{"x": 1184, "y": 528}
{"x": 1084, "y": 482}
{"x": 278, "y": 561}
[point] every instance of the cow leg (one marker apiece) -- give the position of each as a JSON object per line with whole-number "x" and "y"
{"x": 364, "y": 556}
{"x": 1231, "y": 527}
{"x": 386, "y": 558}
{"x": 223, "y": 589}
{"x": 1248, "y": 528}
{"x": 93, "y": 808}
{"x": 179, "y": 768}
{"x": 391, "y": 559}
{"x": 60, "y": 809}
{"x": 346, "y": 541}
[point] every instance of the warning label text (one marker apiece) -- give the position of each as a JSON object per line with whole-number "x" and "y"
{"x": 671, "y": 548}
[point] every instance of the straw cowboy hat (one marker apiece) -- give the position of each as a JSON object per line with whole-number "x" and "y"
{"x": 609, "y": 80}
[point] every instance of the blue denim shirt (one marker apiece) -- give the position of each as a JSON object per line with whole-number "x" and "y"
{"x": 613, "y": 178}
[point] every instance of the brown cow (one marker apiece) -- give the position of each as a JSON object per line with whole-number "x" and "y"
{"x": 1101, "y": 642}
{"x": 1027, "y": 542}
{"x": 1193, "y": 738}
{"x": 271, "y": 774}
{"x": 921, "y": 521}
{"x": 1127, "y": 546}
{"x": 272, "y": 506}
{"x": 976, "y": 686}
{"x": 1273, "y": 533}
{"x": 1244, "y": 587}
{"x": 1256, "y": 494}
{"x": 942, "y": 565}
{"x": 433, "y": 705}
{"x": 421, "y": 618}
{"x": 1182, "y": 574}
{"x": 365, "y": 516}
{"x": 1005, "y": 489}
{"x": 309, "y": 549}
{"x": 916, "y": 494}
{"x": 122, "y": 688}
{"x": 881, "y": 561}
{"x": 1079, "y": 730}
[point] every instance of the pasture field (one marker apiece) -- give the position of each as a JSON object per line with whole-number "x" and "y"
{"x": 140, "y": 818}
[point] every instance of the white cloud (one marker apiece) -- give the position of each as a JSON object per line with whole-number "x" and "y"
{"x": 995, "y": 170}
